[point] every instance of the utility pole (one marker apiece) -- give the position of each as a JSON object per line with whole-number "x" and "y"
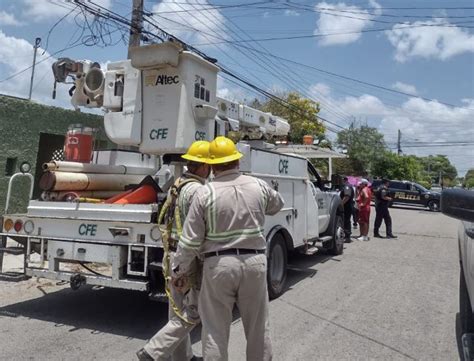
{"x": 399, "y": 147}
{"x": 137, "y": 24}
{"x": 35, "y": 50}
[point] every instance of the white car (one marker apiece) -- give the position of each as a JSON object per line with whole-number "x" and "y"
{"x": 459, "y": 203}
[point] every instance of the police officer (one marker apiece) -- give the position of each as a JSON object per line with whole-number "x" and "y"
{"x": 382, "y": 199}
{"x": 347, "y": 196}
{"x": 173, "y": 339}
{"x": 225, "y": 227}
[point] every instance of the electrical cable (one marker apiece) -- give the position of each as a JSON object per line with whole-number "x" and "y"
{"x": 91, "y": 270}
{"x": 281, "y": 69}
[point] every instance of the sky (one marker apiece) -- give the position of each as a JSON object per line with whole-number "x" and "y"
{"x": 395, "y": 65}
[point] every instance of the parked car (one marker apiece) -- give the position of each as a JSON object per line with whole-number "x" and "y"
{"x": 459, "y": 204}
{"x": 406, "y": 192}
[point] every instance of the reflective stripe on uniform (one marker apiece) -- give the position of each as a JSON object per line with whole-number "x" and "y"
{"x": 265, "y": 200}
{"x": 187, "y": 243}
{"x": 211, "y": 209}
{"x": 236, "y": 233}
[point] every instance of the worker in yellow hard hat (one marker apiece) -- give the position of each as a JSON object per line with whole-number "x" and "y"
{"x": 224, "y": 226}
{"x": 173, "y": 341}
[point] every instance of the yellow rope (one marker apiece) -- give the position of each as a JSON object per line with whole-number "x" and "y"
{"x": 166, "y": 236}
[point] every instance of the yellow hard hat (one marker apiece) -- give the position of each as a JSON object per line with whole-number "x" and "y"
{"x": 223, "y": 150}
{"x": 198, "y": 152}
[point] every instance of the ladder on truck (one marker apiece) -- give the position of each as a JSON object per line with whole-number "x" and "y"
{"x": 14, "y": 276}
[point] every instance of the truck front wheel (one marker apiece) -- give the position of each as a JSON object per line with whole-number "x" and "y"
{"x": 277, "y": 262}
{"x": 337, "y": 242}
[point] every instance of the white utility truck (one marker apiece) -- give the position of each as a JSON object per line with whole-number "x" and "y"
{"x": 159, "y": 102}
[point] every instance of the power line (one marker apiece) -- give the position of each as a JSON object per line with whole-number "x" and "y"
{"x": 39, "y": 62}
{"x": 319, "y": 35}
{"x": 267, "y": 62}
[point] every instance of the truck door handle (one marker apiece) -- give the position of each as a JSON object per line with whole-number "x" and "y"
{"x": 81, "y": 250}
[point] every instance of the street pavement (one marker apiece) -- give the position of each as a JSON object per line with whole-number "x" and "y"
{"x": 384, "y": 299}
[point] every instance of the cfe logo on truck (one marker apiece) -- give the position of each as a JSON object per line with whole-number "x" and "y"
{"x": 87, "y": 229}
{"x": 160, "y": 133}
{"x": 199, "y": 135}
{"x": 283, "y": 166}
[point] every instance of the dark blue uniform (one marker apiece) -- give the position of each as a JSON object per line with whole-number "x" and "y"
{"x": 382, "y": 213}
{"x": 348, "y": 207}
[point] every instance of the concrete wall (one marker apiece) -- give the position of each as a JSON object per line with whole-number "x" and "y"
{"x": 21, "y": 121}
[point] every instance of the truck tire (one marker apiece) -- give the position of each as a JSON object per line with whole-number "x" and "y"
{"x": 433, "y": 206}
{"x": 276, "y": 269}
{"x": 337, "y": 242}
{"x": 465, "y": 311}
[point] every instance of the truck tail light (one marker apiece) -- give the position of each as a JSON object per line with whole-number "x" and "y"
{"x": 8, "y": 224}
{"x": 18, "y": 225}
{"x": 29, "y": 226}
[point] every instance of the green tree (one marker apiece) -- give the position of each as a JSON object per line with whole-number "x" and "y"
{"x": 469, "y": 179}
{"x": 394, "y": 166}
{"x": 434, "y": 165}
{"x": 300, "y": 112}
{"x": 365, "y": 147}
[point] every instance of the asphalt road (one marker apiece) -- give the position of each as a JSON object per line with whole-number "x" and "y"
{"x": 382, "y": 299}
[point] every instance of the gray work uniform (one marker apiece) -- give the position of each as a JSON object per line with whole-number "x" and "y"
{"x": 227, "y": 215}
{"x": 172, "y": 341}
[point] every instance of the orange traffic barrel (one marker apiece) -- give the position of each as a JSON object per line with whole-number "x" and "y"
{"x": 308, "y": 139}
{"x": 142, "y": 195}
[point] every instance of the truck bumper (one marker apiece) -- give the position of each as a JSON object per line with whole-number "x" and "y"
{"x": 89, "y": 279}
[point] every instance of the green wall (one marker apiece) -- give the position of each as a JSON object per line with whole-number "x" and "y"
{"x": 21, "y": 121}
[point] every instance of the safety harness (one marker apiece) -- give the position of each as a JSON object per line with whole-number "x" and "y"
{"x": 171, "y": 213}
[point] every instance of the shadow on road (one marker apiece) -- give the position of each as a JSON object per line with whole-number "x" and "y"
{"x": 300, "y": 267}
{"x": 115, "y": 311}
{"x": 123, "y": 312}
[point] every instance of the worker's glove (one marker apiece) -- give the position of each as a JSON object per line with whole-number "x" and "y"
{"x": 180, "y": 284}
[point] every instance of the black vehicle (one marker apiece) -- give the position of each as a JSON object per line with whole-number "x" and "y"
{"x": 406, "y": 192}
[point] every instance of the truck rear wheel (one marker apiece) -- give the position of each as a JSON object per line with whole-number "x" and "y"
{"x": 337, "y": 242}
{"x": 277, "y": 262}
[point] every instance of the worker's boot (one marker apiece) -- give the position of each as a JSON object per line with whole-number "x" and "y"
{"x": 378, "y": 235}
{"x": 391, "y": 235}
{"x": 144, "y": 356}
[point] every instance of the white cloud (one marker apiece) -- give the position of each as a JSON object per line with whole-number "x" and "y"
{"x": 193, "y": 22}
{"x": 438, "y": 42}
{"x": 15, "y": 56}
{"x": 229, "y": 91}
{"x": 364, "y": 105}
{"x": 7, "y": 19}
{"x": 319, "y": 89}
{"x": 404, "y": 87}
{"x": 339, "y": 18}
{"x": 41, "y": 10}
{"x": 418, "y": 119}
{"x": 289, "y": 12}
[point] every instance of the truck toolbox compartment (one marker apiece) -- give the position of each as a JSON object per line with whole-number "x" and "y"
{"x": 86, "y": 252}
